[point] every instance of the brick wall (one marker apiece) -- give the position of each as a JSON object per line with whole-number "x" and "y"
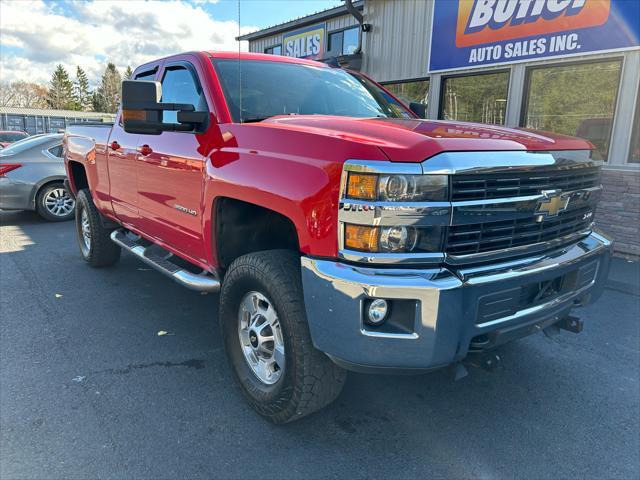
{"x": 619, "y": 210}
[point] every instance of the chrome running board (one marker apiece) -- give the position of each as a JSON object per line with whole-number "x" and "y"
{"x": 149, "y": 254}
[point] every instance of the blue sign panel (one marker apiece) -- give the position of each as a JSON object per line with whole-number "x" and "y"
{"x": 474, "y": 33}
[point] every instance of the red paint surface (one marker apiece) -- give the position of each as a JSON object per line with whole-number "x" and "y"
{"x": 289, "y": 164}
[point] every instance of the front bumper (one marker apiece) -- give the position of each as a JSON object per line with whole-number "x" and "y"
{"x": 443, "y": 313}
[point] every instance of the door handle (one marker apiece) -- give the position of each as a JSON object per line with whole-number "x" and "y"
{"x": 145, "y": 150}
{"x": 115, "y": 145}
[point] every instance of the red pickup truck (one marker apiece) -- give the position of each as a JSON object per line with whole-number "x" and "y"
{"x": 343, "y": 231}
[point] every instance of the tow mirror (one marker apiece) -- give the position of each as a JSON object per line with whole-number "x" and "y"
{"x": 142, "y": 111}
{"x": 419, "y": 109}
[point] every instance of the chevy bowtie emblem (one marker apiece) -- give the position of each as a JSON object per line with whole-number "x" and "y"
{"x": 553, "y": 203}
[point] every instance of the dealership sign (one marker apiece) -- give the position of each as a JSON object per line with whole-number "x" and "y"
{"x": 305, "y": 43}
{"x": 474, "y": 33}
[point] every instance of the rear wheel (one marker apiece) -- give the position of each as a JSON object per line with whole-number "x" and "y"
{"x": 94, "y": 239}
{"x": 53, "y": 203}
{"x": 267, "y": 340}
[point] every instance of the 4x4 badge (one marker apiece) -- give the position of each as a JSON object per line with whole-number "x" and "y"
{"x": 553, "y": 203}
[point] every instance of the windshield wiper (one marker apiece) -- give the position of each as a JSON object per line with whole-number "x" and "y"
{"x": 254, "y": 119}
{"x": 260, "y": 119}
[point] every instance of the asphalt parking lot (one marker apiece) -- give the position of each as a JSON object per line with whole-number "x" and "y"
{"x": 89, "y": 390}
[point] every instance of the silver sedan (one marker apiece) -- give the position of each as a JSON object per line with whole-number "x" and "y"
{"x": 31, "y": 176}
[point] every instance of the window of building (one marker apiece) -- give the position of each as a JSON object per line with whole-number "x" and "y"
{"x": 575, "y": 99}
{"x": 475, "y": 98}
{"x": 179, "y": 85}
{"x": 275, "y": 50}
{"x": 408, "y": 92}
{"x": 634, "y": 151}
{"x": 349, "y": 41}
{"x": 343, "y": 42}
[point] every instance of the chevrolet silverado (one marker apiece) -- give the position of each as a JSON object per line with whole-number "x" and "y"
{"x": 342, "y": 231}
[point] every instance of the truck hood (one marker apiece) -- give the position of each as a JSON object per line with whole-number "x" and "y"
{"x": 414, "y": 140}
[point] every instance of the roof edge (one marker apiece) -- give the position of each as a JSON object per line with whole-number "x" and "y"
{"x": 301, "y": 22}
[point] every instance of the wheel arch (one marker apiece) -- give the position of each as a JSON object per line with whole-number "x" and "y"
{"x": 77, "y": 176}
{"x": 240, "y": 227}
{"x": 37, "y": 188}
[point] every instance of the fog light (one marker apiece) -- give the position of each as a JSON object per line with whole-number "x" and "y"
{"x": 378, "y": 310}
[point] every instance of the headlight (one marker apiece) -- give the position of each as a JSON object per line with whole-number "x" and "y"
{"x": 397, "y": 188}
{"x": 396, "y": 239}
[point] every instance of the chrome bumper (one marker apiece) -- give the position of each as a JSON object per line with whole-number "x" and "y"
{"x": 444, "y": 310}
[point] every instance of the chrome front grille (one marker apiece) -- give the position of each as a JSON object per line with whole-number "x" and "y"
{"x": 519, "y": 184}
{"x": 490, "y": 236}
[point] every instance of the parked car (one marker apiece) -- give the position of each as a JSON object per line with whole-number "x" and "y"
{"x": 343, "y": 231}
{"x": 7, "y": 137}
{"x": 32, "y": 177}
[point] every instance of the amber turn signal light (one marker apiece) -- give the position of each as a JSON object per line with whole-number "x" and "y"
{"x": 360, "y": 237}
{"x": 362, "y": 186}
{"x": 134, "y": 115}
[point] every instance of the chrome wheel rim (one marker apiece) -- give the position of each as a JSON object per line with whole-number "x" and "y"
{"x": 260, "y": 337}
{"x": 58, "y": 202}
{"x": 85, "y": 230}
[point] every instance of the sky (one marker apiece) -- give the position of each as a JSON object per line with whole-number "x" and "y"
{"x": 36, "y": 35}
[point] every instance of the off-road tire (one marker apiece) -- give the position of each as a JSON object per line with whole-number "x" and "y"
{"x": 310, "y": 380}
{"x": 41, "y": 208}
{"x": 102, "y": 252}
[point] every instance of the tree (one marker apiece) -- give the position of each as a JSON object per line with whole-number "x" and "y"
{"x": 23, "y": 95}
{"x": 81, "y": 92}
{"x": 107, "y": 97}
{"x": 128, "y": 73}
{"x": 97, "y": 102}
{"x": 60, "y": 94}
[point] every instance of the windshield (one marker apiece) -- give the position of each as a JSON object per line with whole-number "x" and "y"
{"x": 25, "y": 144}
{"x": 279, "y": 88}
{"x": 11, "y": 136}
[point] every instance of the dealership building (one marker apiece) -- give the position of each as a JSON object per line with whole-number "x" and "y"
{"x": 565, "y": 66}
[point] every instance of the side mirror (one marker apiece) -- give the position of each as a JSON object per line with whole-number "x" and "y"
{"x": 142, "y": 111}
{"x": 419, "y": 109}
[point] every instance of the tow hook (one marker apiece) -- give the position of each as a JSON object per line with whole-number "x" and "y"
{"x": 486, "y": 361}
{"x": 571, "y": 324}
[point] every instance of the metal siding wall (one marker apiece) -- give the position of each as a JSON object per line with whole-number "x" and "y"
{"x": 397, "y": 46}
{"x": 260, "y": 44}
{"x": 337, "y": 23}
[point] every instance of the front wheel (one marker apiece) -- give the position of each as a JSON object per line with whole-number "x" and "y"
{"x": 267, "y": 340}
{"x": 94, "y": 239}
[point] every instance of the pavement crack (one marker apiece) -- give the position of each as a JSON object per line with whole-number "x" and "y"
{"x": 194, "y": 363}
